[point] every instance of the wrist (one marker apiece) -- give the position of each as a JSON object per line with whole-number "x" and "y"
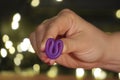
{"x": 111, "y": 59}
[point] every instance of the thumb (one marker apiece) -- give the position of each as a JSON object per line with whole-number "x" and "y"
{"x": 69, "y": 45}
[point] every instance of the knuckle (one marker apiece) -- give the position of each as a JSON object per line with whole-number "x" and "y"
{"x": 39, "y": 28}
{"x": 67, "y": 12}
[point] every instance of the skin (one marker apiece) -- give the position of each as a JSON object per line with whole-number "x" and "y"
{"x": 84, "y": 45}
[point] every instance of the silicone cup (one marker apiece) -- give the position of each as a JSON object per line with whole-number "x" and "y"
{"x": 53, "y": 48}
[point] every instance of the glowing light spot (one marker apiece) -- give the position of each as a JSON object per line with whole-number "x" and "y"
{"x": 16, "y": 17}
{"x": 12, "y": 50}
{"x": 80, "y": 73}
{"x": 19, "y": 48}
{"x": 17, "y": 61}
{"x": 99, "y": 73}
{"x": 30, "y": 49}
{"x": 53, "y": 72}
{"x": 19, "y": 56}
{"x": 15, "y": 22}
{"x": 59, "y": 0}
{"x": 55, "y": 64}
{"x": 119, "y": 76}
{"x": 36, "y": 67}
{"x": 118, "y": 13}
{"x": 8, "y": 44}
{"x": 35, "y": 3}
{"x": 26, "y": 41}
{"x": 5, "y": 38}
{"x": 3, "y": 52}
{"x": 23, "y": 46}
{"x": 15, "y": 25}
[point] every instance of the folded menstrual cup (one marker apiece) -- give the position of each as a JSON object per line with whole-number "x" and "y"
{"x": 53, "y": 48}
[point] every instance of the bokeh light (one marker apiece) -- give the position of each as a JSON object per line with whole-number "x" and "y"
{"x": 24, "y": 46}
{"x": 59, "y": 0}
{"x": 36, "y": 67}
{"x": 80, "y": 73}
{"x": 98, "y": 73}
{"x": 15, "y": 22}
{"x": 8, "y": 44}
{"x": 12, "y": 50}
{"x": 15, "y": 25}
{"x": 19, "y": 48}
{"x": 3, "y": 52}
{"x": 17, "y": 60}
{"x": 119, "y": 76}
{"x": 35, "y": 3}
{"x": 5, "y": 38}
{"x": 30, "y": 49}
{"x": 20, "y": 56}
{"x": 53, "y": 72}
{"x": 16, "y": 17}
{"x": 118, "y": 13}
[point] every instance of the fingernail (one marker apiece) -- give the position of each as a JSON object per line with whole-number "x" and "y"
{"x": 42, "y": 46}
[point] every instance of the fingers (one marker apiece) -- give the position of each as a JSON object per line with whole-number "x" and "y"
{"x": 41, "y": 55}
{"x": 62, "y": 24}
{"x": 69, "y": 45}
{"x": 54, "y": 27}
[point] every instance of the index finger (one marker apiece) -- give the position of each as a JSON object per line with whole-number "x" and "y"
{"x": 59, "y": 26}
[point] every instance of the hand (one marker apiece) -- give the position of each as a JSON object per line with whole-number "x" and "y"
{"x": 84, "y": 44}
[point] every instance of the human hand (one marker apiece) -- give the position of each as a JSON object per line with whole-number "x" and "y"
{"x": 84, "y": 44}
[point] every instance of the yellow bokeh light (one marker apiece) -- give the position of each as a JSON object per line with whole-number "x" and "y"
{"x": 15, "y": 22}
{"x": 17, "y": 61}
{"x": 59, "y": 0}
{"x": 36, "y": 67}
{"x": 19, "y": 48}
{"x": 35, "y": 3}
{"x": 53, "y": 72}
{"x": 15, "y": 25}
{"x": 118, "y": 13}
{"x": 24, "y": 45}
{"x": 80, "y": 73}
{"x": 30, "y": 49}
{"x": 99, "y": 73}
{"x": 12, "y": 50}
{"x": 8, "y": 44}
{"x": 19, "y": 56}
{"x": 5, "y": 38}
{"x": 16, "y": 17}
{"x": 26, "y": 41}
{"x": 119, "y": 76}
{"x": 3, "y": 52}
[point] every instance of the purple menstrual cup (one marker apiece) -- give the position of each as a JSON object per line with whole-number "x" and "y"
{"x": 53, "y": 48}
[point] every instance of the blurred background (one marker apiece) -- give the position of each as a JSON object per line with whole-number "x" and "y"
{"x": 18, "y": 18}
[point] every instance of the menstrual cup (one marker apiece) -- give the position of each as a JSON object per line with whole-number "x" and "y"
{"x": 53, "y": 48}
